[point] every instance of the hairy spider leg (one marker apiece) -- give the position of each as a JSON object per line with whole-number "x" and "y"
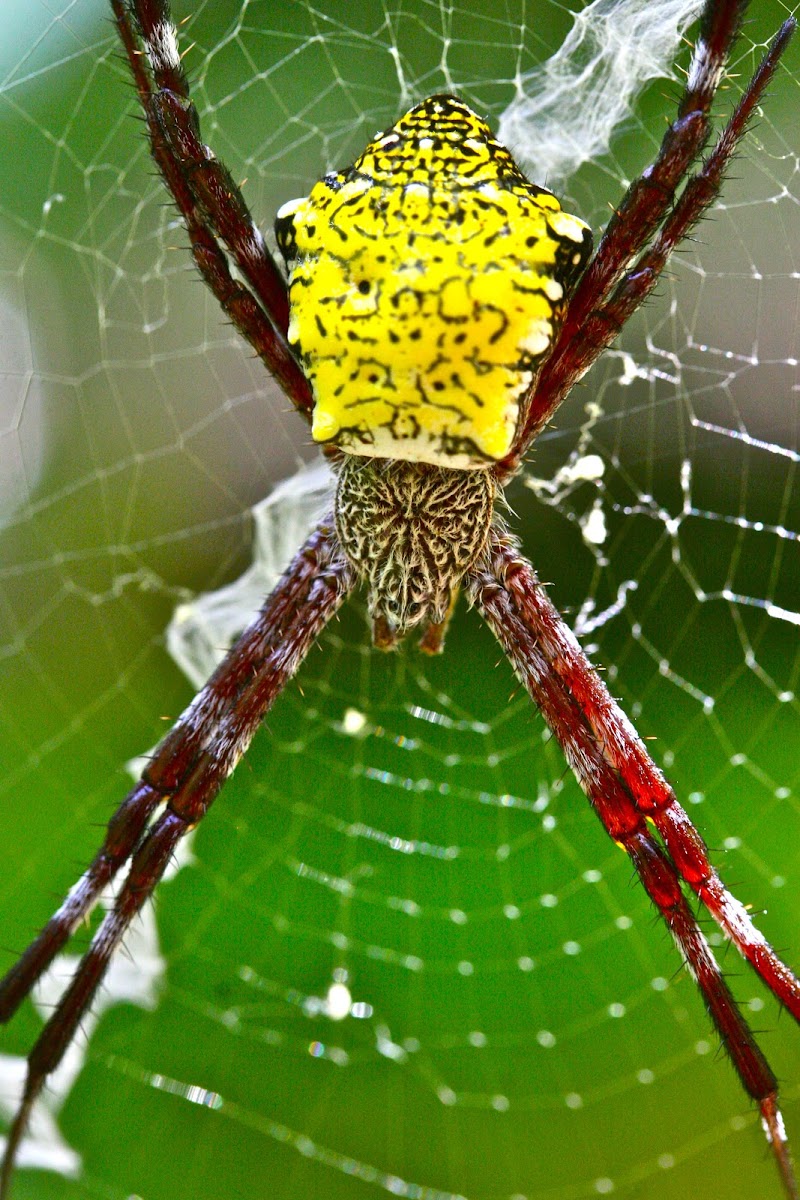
{"x": 495, "y": 589}
{"x": 185, "y": 776}
{"x": 176, "y": 756}
{"x": 597, "y": 312}
{"x": 212, "y": 206}
{"x": 625, "y": 752}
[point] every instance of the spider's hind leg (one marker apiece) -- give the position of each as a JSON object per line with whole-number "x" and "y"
{"x": 221, "y": 229}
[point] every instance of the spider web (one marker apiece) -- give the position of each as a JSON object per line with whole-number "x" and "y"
{"x": 401, "y": 955}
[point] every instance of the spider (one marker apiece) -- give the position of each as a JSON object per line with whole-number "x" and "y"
{"x": 439, "y": 309}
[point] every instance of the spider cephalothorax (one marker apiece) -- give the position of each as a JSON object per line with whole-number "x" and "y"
{"x": 427, "y": 284}
{"x": 411, "y": 531}
{"x": 431, "y": 311}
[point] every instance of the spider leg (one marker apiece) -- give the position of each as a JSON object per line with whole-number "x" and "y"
{"x": 176, "y": 756}
{"x": 185, "y": 776}
{"x": 650, "y": 792}
{"x": 700, "y": 192}
{"x": 212, "y": 206}
{"x": 606, "y": 761}
{"x": 601, "y": 303}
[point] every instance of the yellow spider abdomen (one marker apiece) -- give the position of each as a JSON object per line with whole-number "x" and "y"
{"x": 426, "y": 285}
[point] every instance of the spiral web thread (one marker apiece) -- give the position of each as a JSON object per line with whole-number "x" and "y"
{"x": 401, "y": 955}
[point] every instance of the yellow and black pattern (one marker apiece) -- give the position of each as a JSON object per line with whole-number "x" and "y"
{"x": 426, "y": 285}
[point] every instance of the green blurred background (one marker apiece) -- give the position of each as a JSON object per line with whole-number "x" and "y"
{"x": 525, "y": 1030}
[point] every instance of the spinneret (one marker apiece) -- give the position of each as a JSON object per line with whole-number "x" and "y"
{"x": 427, "y": 283}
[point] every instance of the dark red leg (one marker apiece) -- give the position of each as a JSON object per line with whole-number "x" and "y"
{"x": 211, "y": 204}
{"x": 602, "y": 303}
{"x": 625, "y": 752}
{"x": 543, "y": 653}
{"x": 185, "y": 776}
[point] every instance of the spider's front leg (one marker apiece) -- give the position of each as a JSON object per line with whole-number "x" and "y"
{"x": 626, "y": 753}
{"x": 183, "y": 780}
{"x": 625, "y": 788}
